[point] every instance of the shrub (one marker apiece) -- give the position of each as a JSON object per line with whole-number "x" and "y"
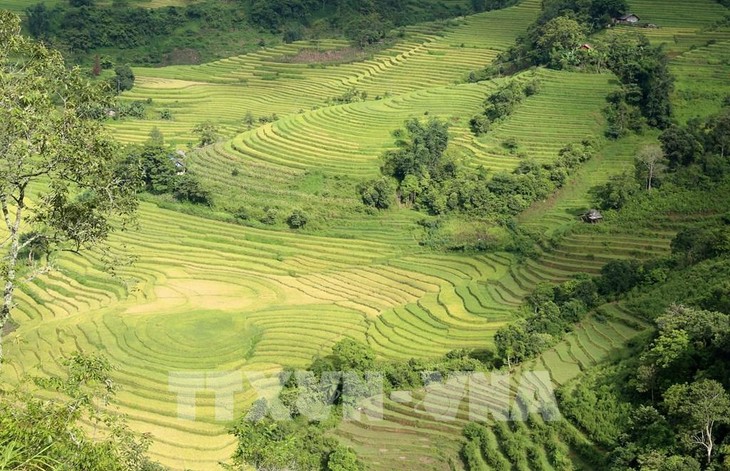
{"x": 532, "y": 87}
{"x": 297, "y": 219}
{"x": 479, "y": 124}
{"x": 376, "y": 193}
{"x": 270, "y": 216}
{"x": 188, "y": 188}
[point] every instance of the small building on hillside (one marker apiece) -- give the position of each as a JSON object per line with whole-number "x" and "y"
{"x": 178, "y": 162}
{"x": 651, "y": 25}
{"x": 593, "y": 216}
{"x": 585, "y": 47}
{"x": 628, "y": 19}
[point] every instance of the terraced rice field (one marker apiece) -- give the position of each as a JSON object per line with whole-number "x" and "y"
{"x": 209, "y": 297}
{"x": 268, "y": 82}
{"x": 422, "y": 430}
{"x": 208, "y": 304}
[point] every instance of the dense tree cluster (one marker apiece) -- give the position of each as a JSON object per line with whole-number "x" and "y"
{"x": 558, "y": 38}
{"x": 80, "y": 26}
{"x": 84, "y": 27}
{"x": 164, "y": 171}
{"x": 647, "y": 84}
{"x": 427, "y": 178}
{"x": 668, "y": 405}
{"x": 549, "y": 312}
{"x": 291, "y": 431}
{"x": 554, "y": 38}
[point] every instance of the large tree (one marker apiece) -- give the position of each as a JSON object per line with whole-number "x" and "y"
{"x": 699, "y": 407}
{"x": 61, "y": 182}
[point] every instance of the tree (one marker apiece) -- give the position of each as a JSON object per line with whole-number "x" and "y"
{"x": 513, "y": 343}
{"x": 352, "y": 355}
{"x": 680, "y": 146}
{"x": 46, "y": 137}
{"x": 719, "y": 133}
{"x": 81, "y": 3}
{"x": 699, "y": 406}
{"x": 343, "y": 459}
{"x": 208, "y": 133}
{"x": 123, "y": 79}
{"x": 479, "y": 124}
{"x": 297, "y": 219}
{"x": 649, "y": 164}
{"x": 420, "y": 150}
{"x": 615, "y": 193}
{"x": 376, "y": 193}
{"x": 559, "y": 35}
{"x": 187, "y": 187}
{"x": 53, "y": 434}
{"x": 39, "y": 20}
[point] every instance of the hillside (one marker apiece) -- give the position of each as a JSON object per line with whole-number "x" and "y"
{"x": 198, "y": 290}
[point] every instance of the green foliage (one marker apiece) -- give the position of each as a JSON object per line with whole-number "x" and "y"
{"x": 377, "y": 193}
{"x": 47, "y": 138}
{"x": 550, "y": 311}
{"x": 297, "y": 219}
{"x": 643, "y": 70}
{"x": 214, "y": 28}
{"x": 616, "y": 192}
{"x": 351, "y": 355}
{"x": 503, "y": 102}
{"x": 554, "y": 37}
{"x": 699, "y": 406}
{"x": 352, "y": 95}
{"x": 479, "y": 124}
{"x": 39, "y": 20}
{"x": 123, "y": 79}
{"x": 695, "y": 244}
{"x": 332, "y": 384}
{"x": 265, "y": 443}
{"x": 207, "y": 132}
{"x": 271, "y": 216}
{"x": 420, "y": 151}
{"x": 429, "y": 179}
{"x": 188, "y": 188}
{"x": 596, "y": 405}
{"x": 344, "y": 459}
{"x": 54, "y": 434}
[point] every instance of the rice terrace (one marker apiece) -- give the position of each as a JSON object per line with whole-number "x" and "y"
{"x": 341, "y": 235}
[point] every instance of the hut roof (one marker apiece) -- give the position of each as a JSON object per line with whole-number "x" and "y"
{"x": 593, "y": 214}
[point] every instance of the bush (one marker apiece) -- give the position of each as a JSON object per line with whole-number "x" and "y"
{"x": 297, "y": 219}
{"x": 242, "y": 213}
{"x": 270, "y": 216}
{"x": 479, "y": 124}
{"x": 532, "y": 87}
{"x": 208, "y": 133}
{"x": 188, "y": 188}
{"x": 377, "y": 193}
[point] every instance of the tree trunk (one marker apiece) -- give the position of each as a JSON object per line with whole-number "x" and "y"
{"x": 709, "y": 443}
{"x": 9, "y": 287}
{"x": 12, "y": 259}
{"x": 651, "y": 175}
